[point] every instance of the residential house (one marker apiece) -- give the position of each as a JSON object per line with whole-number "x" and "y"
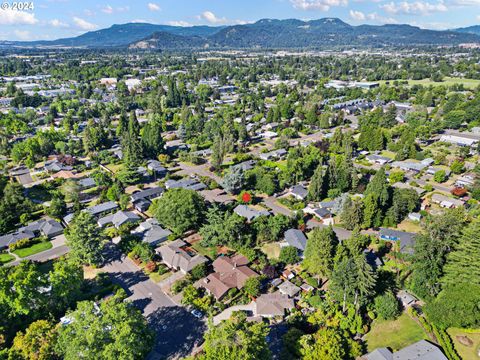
{"x": 246, "y": 165}
{"x": 44, "y": 227}
{"x": 97, "y": 210}
{"x": 461, "y": 139}
{"x": 378, "y": 159}
{"x": 321, "y": 213}
{"x": 275, "y": 154}
{"x": 230, "y": 272}
{"x": 151, "y": 232}
{"x": 189, "y": 184}
{"x": 288, "y": 289}
{"x": 178, "y": 257}
{"x": 406, "y": 299}
{"x": 406, "y": 240}
{"x": 273, "y": 304}
{"x": 299, "y": 192}
{"x": 414, "y": 216}
{"x": 249, "y": 213}
{"x": 446, "y": 202}
{"x": 156, "y": 167}
{"x": 422, "y": 350}
{"x": 142, "y": 199}
{"x": 118, "y": 219}
{"x": 295, "y": 238}
{"x": 86, "y": 183}
{"x": 466, "y": 181}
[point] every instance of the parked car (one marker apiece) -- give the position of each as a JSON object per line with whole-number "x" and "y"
{"x": 197, "y": 313}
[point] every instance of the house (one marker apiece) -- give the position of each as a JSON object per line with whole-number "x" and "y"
{"x": 118, "y": 219}
{"x": 56, "y": 166}
{"x": 372, "y": 258}
{"x": 246, "y": 165}
{"x": 249, "y": 213}
{"x": 176, "y": 256}
{"x": 288, "y": 289}
{"x": 275, "y": 154}
{"x": 7, "y": 240}
{"x": 156, "y": 167}
{"x": 299, "y": 192}
{"x": 446, "y": 202}
{"x": 151, "y": 232}
{"x": 142, "y": 199}
{"x": 411, "y": 166}
{"x": 461, "y": 139}
{"x": 103, "y": 208}
{"x": 466, "y": 181}
{"x": 406, "y": 239}
{"x": 377, "y": 159}
{"x": 230, "y": 272}
{"x": 295, "y": 238}
{"x": 269, "y": 135}
{"x": 414, "y": 216}
{"x": 288, "y": 274}
{"x": 273, "y": 304}
{"x": 323, "y": 214}
{"x": 406, "y": 299}
{"x": 189, "y": 184}
{"x": 86, "y": 183}
{"x": 401, "y": 185}
{"x": 46, "y": 227}
{"x": 422, "y": 350}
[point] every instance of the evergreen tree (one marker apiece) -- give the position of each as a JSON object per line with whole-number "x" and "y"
{"x": 352, "y": 213}
{"x": 320, "y": 251}
{"x": 316, "y": 188}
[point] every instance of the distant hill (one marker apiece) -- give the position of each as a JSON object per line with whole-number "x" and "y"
{"x": 265, "y": 33}
{"x": 475, "y": 29}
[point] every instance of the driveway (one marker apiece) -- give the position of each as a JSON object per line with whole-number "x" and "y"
{"x": 276, "y": 208}
{"x": 177, "y": 331}
{"x": 227, "y": 313}
{"x": 200, "y": 170}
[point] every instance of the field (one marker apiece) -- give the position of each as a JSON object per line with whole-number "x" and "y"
{"x": 448, "y": 81}
{"x": 34, "y": 249}
{"x": 6, "y": 258}
{"x": 394, "y": 334}
{"x": 465, "y": 352}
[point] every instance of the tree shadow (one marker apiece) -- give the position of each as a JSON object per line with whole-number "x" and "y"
{"x": 128, "y": 279}
{"x": 141, "y": 304}
{"x": 177, "y": 332}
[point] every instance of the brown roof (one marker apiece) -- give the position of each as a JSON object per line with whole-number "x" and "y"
{"x": 229, "y": 273}
{"x": 175, "y": 256}
{"x": 273, "y": 304}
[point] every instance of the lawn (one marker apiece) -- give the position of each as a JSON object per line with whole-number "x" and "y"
{"x": 34, "y": 249}
{"x": 409, "y": 226}
{"x": 394, "y": 334}
{"x": 272, "y": 250}
{"x": 210, "y": 252}
{"x": 6, "y": 258}
{"x": 465, "y": 352}
{"x": 448, "y": 81}
{"x": 114, "y": 167}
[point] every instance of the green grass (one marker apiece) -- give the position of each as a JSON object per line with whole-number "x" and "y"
{"x": 395, "y": 334}
{"x": 465, "y": 352}
{"x": 6, "y": 258}
{"x": 210, "y": 252}
{"x": 448, "y": 81}
{"x": 34, "y": 249}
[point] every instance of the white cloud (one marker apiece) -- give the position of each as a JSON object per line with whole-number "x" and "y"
{"x": 212, "y": 18}
{"x": 179, "y": 23}
{"x": 22, "y": 34}
{"x": 381, "y": 19}
{"x": 107, "y": 9}
{"x": 153, "y": 7}
{"x": 322, "y": 5}
{"x": 14, "y": 17}
{"x": 414, "y": 8}
{"x": 58, "y": 24}
{"x": 357, "y": 15}
{"x": 83, "y": 24}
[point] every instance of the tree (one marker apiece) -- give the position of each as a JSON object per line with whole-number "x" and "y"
{"x": 463, "y": 263}
{"x": 326, "y": 343}
{"x": 320, "y": 251}
{"x": 85, "y": 239}
{"x": 252, "y": 286}
{"x": 153, "y": 143}
{"x": 37, "y": 343}
{"x": 378, "y": 185}
{"x": 387, "y": 306}
{"x": 66, "y": 281}
{"x": 457, "y": 167}
{"x": 12, "y": 205}
{"x": 57, "y": 207}
{"x": 218, "y": 152}
{"x": 112, "y": 330}
{"x": 396, "y": 176}
{"x": 456, "y": 306}
{"x": 234, "y": 180}
{"x": 180, "y": 210}
{"x": 316, "y": 189}
{"x": 352, "y": 213}
{"x": 224, "y": 228}
{"x": 372, "y": 214}
{"x": 289, "y": 255}
{"x": 440, "y": 176}
{"x": 199, "y": 271}
{"x": 236, "y": 339}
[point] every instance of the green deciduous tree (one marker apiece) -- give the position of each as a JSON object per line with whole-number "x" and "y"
{"x": 113, "y": 330}
{"x": 180, "y": 210}
{"x": 36, "y": 343}
{"x": 289, "y": 255}
{"x": 387, "y": 306}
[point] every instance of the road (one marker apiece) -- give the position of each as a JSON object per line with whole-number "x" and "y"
{"x": 276, "y": 208}
{"x": 177, "y": 331}
{"x": 200, "y": 170}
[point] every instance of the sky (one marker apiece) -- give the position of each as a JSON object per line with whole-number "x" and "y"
{"x": 53, "y": 19}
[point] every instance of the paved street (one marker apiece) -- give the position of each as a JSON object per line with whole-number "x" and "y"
{"x": 200, "y": 170}
{"x": 177, "y": 331}
{"x": 59, "y": 249}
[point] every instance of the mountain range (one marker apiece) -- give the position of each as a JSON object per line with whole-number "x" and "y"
{"x": 265, "y": 33}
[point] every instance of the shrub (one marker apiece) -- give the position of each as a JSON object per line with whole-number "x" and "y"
{"x": 198, "y": 272}
{"x": 179, "y": 285}
{"x": 387, "y": 306}
{"x": 289, "y": 255}
{"x": 150, "y": 267}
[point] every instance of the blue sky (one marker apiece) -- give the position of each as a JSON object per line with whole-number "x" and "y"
{"x": 52, "y": 19}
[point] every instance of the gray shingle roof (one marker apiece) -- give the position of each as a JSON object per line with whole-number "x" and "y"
{"x": 296, "y": 238}
{"x": 249, "y": 213}
{"x": 147, "y": 194}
